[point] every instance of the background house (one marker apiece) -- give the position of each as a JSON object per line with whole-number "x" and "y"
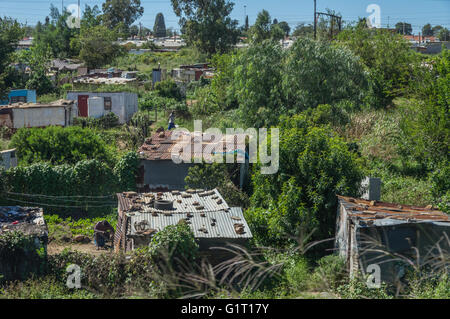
{"x": 122, "y": 104}
{"x": 370, "y": 232}
{"x": 18, "y": 115}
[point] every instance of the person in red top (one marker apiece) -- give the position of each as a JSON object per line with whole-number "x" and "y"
{"x": 102, "y": 232}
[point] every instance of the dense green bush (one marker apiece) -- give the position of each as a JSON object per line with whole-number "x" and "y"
{"x": 300, "y": 199}
{"x": 59, "y": 145}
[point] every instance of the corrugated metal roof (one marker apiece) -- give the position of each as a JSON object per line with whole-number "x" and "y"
{"x": 381, "y": 213}
{"x": 214, "y": 220}
{"x": 29, "y": 220}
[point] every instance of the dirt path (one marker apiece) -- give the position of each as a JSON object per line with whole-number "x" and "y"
{"x": 55, "y": 248}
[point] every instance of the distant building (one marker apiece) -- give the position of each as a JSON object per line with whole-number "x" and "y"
{"x": 158, "y": 170}
{"x": 65, "y": 65}
{"x": 96, "y": 104}
{"x": 20, "y": 115}
{"x": 213, "y": 222}
{"x": 372, "y": 233}
{"x": 24, "y": 96}
{"x": 8, "y": 158}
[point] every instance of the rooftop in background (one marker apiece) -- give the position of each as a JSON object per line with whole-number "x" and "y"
{"x": 206, "y": 212}
{"x": 29, "y": 220}
{"x": 381, "y": 213}
{"x": 160, "y": 145}
{"x": 18, "y": 105}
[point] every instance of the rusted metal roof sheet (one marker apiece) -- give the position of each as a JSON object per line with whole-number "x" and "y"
{"x": 379, "y": 213}
{"x": 215, "y": 219}
{"x": 160, "y": 145}
{"x": 58, "y": 103}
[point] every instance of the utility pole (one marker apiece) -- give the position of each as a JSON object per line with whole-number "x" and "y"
{"x": 388, "y": 23}
{"x": 315, "y": 21}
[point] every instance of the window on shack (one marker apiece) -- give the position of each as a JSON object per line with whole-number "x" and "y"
{"x": 107, "y": 103}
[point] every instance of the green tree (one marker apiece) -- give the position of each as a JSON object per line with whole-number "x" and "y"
{"x": 98, "y": 46}
{"x": 175, "y": 245}
{"x": 444, "y": 34}
{"x": 159, "y": 29}
{"x": 285, "y": 27}
{"x": 117, "y": 13}
{"x": 263, "y": 29}
{"x": 207, "y": 25}
{"x": 10, "y": 34}
{"x": 427, "y": 126}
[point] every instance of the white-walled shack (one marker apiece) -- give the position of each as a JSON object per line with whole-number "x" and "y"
{"x": 122, "y": 104}
{"x": 213, "y": 222}
{"x": 19, "y": 115}
{"x": 8, "y": 158}
{"x": 373, "y": 233}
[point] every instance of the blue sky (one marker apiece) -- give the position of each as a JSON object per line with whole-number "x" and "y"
{"x": 416, "y": 12}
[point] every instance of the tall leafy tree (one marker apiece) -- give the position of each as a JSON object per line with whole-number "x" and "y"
{"x": 10, "y": 33}
{"x": 121, "y": 13}
{"x": 91, "y": 16}
{"x": 207, "y": 24}
{"x": 302, "y": 30}
{"x": 159, "y": 29}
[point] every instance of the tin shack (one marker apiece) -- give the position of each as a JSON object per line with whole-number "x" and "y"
{"x": 390, "y": 236}
{"x": 212, "y": 221}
